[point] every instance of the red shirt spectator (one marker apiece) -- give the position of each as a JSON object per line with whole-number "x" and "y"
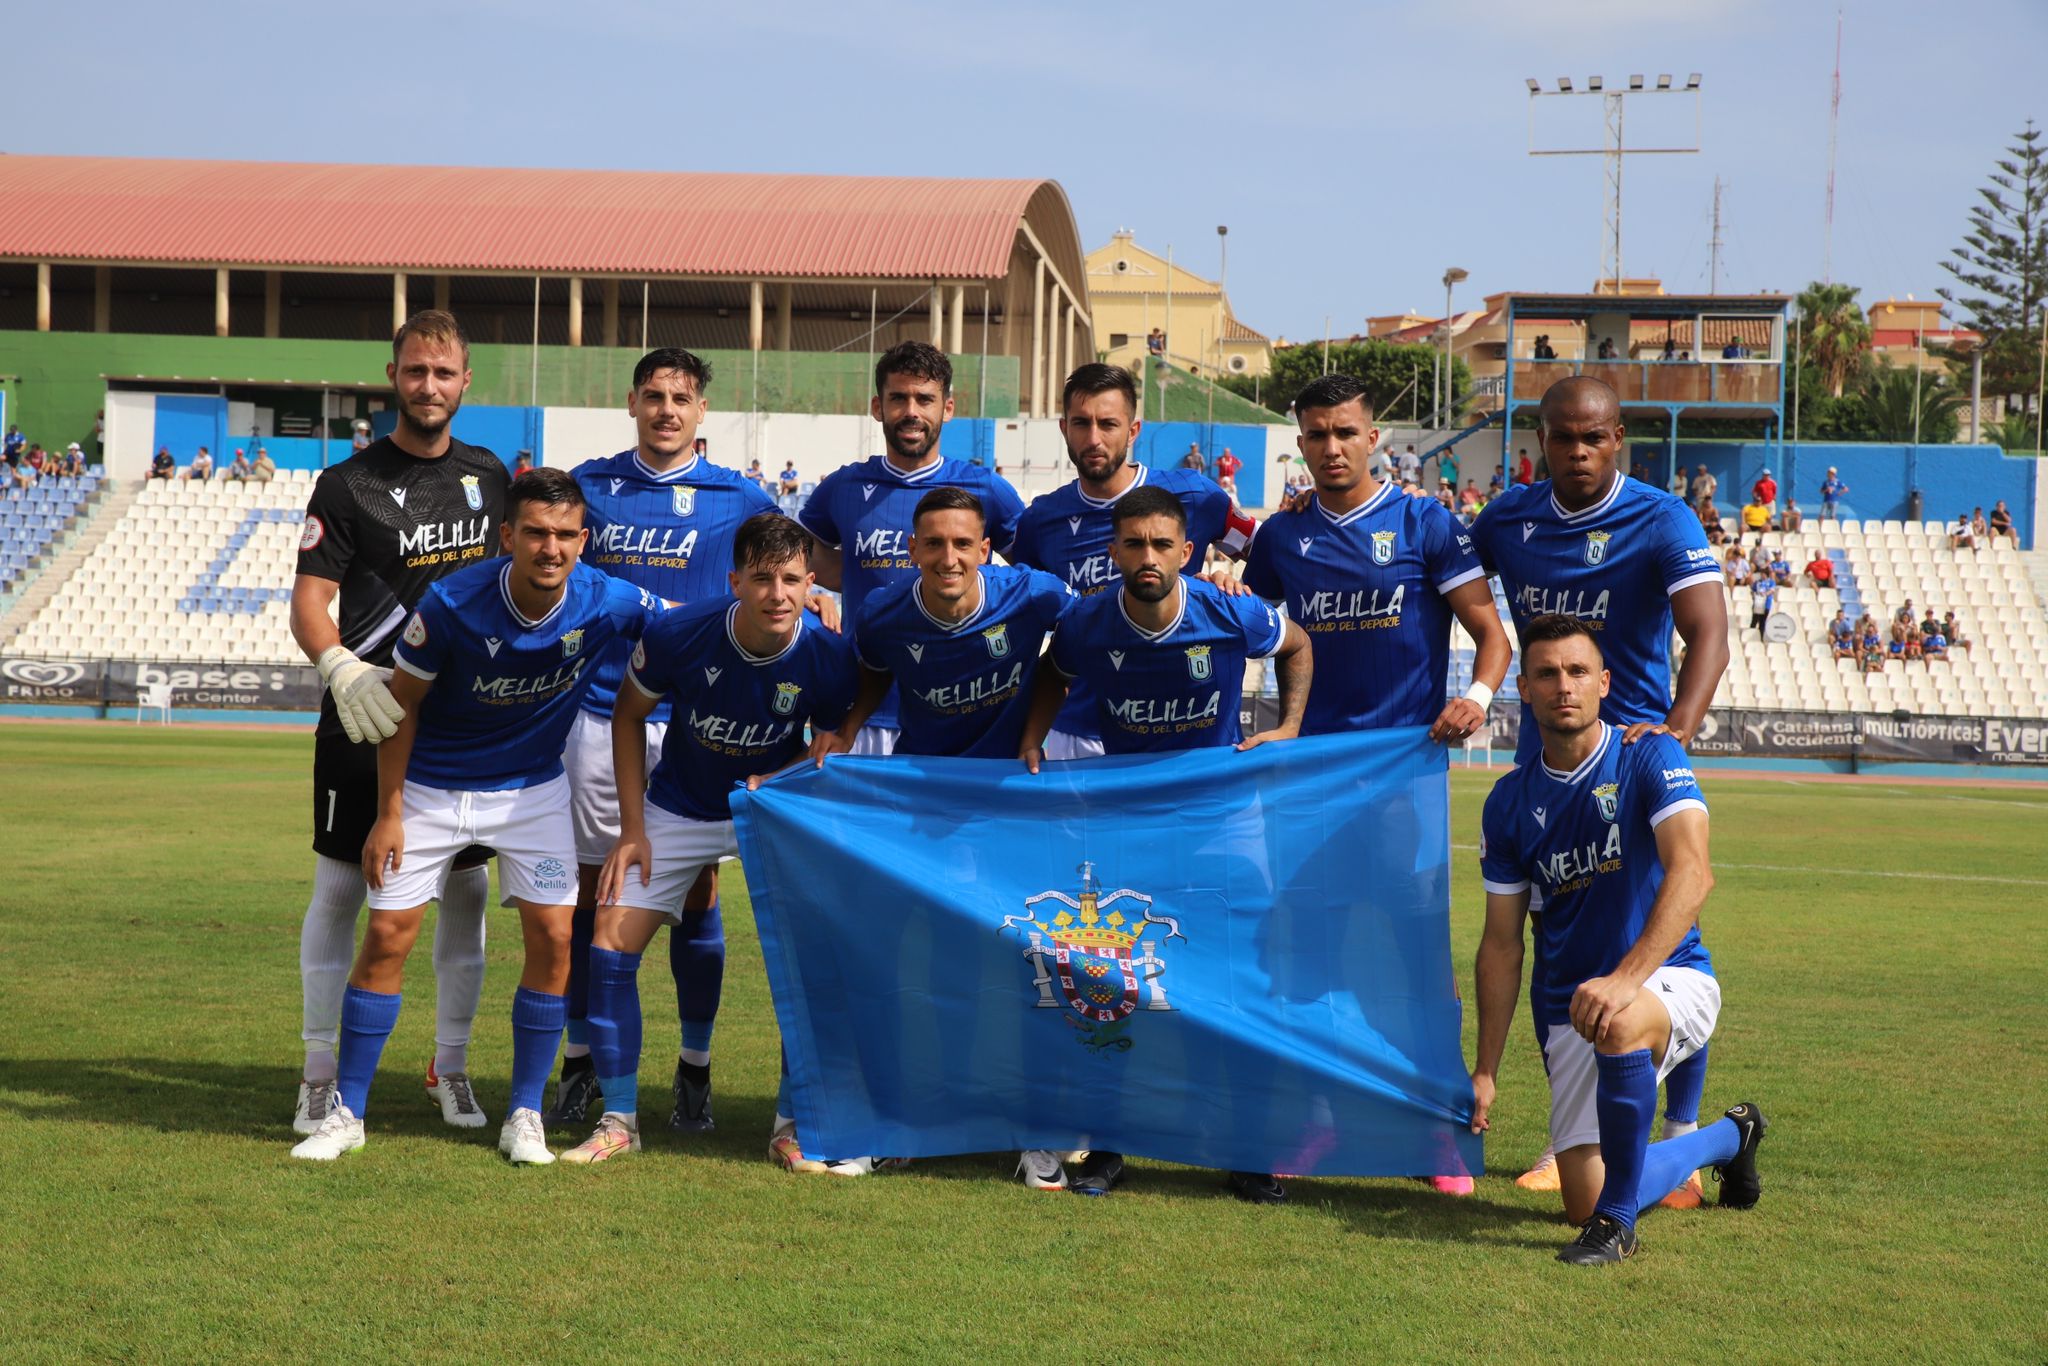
{"x": 1766, "y": 490}
{"x": 1821, "y": 570}
{"x": 1227, "y": 465}
{"x": 1524, "y": 472}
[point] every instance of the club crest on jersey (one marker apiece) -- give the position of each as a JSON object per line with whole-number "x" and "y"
{"x": 1606, "y": 796}
{"x": 1383, "y": 547}
{"x": 685, "y": 499}
{"x": 1093, "y": 948}
{"x": 1596, "y": 545}
{"x": 998, "y": 639}
{"x": 785, "y": 698}
{"x": 472, "y": 493}
{"x": 1198, "y": 662}
{"x": 572, "y": 642}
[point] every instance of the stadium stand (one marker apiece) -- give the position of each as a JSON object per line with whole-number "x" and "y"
{"x": 193, "y": 571}
{"x": 33, "y": 519}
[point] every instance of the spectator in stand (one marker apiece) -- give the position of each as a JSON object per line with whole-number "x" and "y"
{"x": 99, "y": 435}
{"x": 1873, "y": 655}
{"x": 790, "y": 483}
{"x": 1680, "y": 486}
{"x": 1447, "y": 466}
{"x": 757, "y": 474}
{"x": 1980, "y": 530}
{"x": 1408, "y": 466}
{"x": 701, "y": 449}
{"x": 1380, "y": 465}
{"x": 1960, "y": 535}
{"x": 1710, "y": 522}
{"x": 1446, "y": 496}
{"x": 1831, "y": 490}
{"x": 201, "y": 468}
{"x": 1468, "y": 501}
{"x": 1704, "y": 485}
{"x": 265, "y": 469}
{"x": 37, "y": 457}
{"x": 1670, "y": 352}
{"x": 1155, "y": 342}
{"x": 2001, "y": 522}
{"x": 1781, "y": 568}
{"x": 1760, "y": 560}
{"x": 1820, "y": 570}
{"x": 1842, "y": 634}
{"x": 240, "y": 468}
{"x": 1606, "y": 351}
{"x": 1734, "y": 568}
{"x": 1525, "y": 473}
{"x": 1793, "y": 518}
{"x": 1952, "y": 632}
{"x": 163, "y": 465}
{"x": 1763, "y": 596}
{"x": 1904, "y": 614}
{"x": 521, "y": 463}
{"x": 1933, "y": 640}
{"x": 16, "y": 446}
{"x": 1544, "y": 350}
{"x": 25, "y": 475}
{"x": 1193, "y": 459}
{"x": 1756, "y": 519}
{"x": 73, "y": 460}
{"x": 1732, "y": 351}
{"x": 1227, "y": 466}
{"x": 1765, "y": 491}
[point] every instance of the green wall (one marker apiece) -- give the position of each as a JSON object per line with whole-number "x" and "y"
{"x": 58, "y": 379}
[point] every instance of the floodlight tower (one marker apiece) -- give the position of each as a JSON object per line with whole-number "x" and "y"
{"x": 1614, "y": 148}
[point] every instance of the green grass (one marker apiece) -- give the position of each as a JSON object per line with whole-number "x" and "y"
{"x": 148, "y": 1049}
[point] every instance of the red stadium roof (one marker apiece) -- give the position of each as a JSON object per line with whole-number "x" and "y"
{"x": 459, "y": 219}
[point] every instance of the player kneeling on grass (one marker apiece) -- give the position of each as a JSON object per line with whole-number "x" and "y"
{"x": 746, "y": 673}
{"x": 490, "y": 671}
{"x": 1615, "y": 834}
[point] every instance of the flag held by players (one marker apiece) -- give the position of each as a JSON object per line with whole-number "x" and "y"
{"x": 1238, "y": 961}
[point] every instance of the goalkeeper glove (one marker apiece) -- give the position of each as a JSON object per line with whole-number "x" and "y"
{"x": 367, "y": 709}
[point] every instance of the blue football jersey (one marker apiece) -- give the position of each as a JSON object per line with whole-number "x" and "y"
{"x": 735, "y": 714}
{"x": 1178, "y": 689}
{"x": 1368, "y": 587}
{"x": 1614, "y": 566}
{"x": 505, "y": 688}
{"x": 1588, "y": 839}
{"x": 963, "y": 687}
{"x": 669, "y": 532}
{"x": 1066, "y": 534}
{"x": 864, "y": 511}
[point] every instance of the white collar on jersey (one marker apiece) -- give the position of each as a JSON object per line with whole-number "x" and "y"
{"x": 505, "y": 592}
{"x": 1110, "y": 501}
{"x": 1606, "y": 502}
{"x": 1180, "y": 586}
{"x": 1606, "y": 739}
{"x": 732, "y": 634}
{"x": 918, "y": 475}
{"x": 666, "y": 476}
{"x": 953, "y": 627}
{"x": 1363, "y": 509}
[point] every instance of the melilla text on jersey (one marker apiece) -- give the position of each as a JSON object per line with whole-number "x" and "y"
{"x": 1165, "y": 715}
{"x": 446, "y": 542}
{"x": 659, "y": 547}
{"x": 1092, "y": 575}
{"x": 1570, "y": 870}
{"x": 1533, "y": 600}
{"x": 1368, "y": 609}
{"x": 881, "y": 548}
{"x": 989, "y": 690}
{"x": 520, "y": 691}
{"x": 741, "y": 739}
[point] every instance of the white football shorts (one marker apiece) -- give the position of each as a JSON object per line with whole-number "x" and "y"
{"x": 1059, "y": 745}
{"x": 593, "y": 792}
{"x": 1693, "y": 999}
{"x": 683, "y": 848}
{"x": 875, "y": 740}
{"x": 528, "y": 826}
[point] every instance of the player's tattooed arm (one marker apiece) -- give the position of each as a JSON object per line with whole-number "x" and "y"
{"x": 384, "y": 850}
{"x": 1688, "y": 877}
{"x": 629, "y": 768}
{"x": 1702, "y": 621}
{"x": 1497, "y": 981}
{"x": 1295, "y": 665}
{"x": 1048, "y": 695}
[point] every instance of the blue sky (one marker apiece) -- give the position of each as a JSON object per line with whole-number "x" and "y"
{"x": 1355, "y": 150}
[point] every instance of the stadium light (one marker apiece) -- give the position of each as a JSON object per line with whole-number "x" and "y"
{"x": 1564, "y": 83}
{"x": 1593, "y": 83}
{"x": 1664, "y": 81}
{"x": 1535, "y": 86}
{"x": 1692, "y": 82}
{"x": 1635, "y": 82}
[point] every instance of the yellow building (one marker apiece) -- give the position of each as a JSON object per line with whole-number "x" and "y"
{"x": 1135, "y": 294}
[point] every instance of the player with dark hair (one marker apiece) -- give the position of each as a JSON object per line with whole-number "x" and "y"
{"x": 1066, "y": 532}
{"x": 747, "y": 672}
{"x": 1165, "y": 657}
{"x": 1629, "y": 560}
{"x": 490, "y": 671}
{"x": 861, "y": 513}
{"x": 1623, "y": 990}
{"x": 381, "y": 527}
{"x": 663, "y": 517}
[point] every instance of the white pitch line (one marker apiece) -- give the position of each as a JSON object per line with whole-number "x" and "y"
{"x": 1864, "y": 872}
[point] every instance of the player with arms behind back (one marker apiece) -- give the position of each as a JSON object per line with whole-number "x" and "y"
{"x": 381, "y": 527}
{"x": 1615, "y": 835}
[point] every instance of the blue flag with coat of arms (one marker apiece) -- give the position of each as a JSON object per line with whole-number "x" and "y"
{"x": 1231, "y": 960}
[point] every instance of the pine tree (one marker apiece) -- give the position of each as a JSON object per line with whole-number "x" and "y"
{"x": 2002, "y": 266}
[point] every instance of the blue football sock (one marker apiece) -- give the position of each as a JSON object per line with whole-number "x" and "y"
{"x": 1683, "y": 1088}
{"x": 615, "y": 1027}
{"x": 578, "y": 1032}
{"x": 582, "y": 926}
{"x": 367, "y": 1018}
{"x": 696, "y": 956}
{"x": 1626, "y": 1101}
{"x": 537, "y": 1019}
{"x": 1667, "y": 1164}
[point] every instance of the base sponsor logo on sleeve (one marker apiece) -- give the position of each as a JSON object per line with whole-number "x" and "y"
{"x": 310, "y": 535}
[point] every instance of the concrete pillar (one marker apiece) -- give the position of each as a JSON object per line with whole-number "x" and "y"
{"x": 102, "y": 298}
{"x": 938, "y": 301}
{"x": 42, "y": 296}
{"x": 273, "y": 303}
{"x": 441, "y": 292}
{"x": 785, "y": 317}
{"x": 1055, "y": 372}
{"x": 220, "y": 301}
{"x": 398, "y": 309}
{"x": 611, "y": 312}
{"x": 1035, "y": 380}
{"x": 575, "y": 310}
{"x": 956, "y": 331}
{"x": 1066, "y": 341}
{"x": 755, "y": 302}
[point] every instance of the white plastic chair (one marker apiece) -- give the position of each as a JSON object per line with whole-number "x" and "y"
{"x": 156, "y": 697}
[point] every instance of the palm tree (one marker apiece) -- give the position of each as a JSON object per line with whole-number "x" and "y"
{"x": 1887, "y": 402}
{"x": 2016, "y": 431}
{"x": 1833, "y": 333}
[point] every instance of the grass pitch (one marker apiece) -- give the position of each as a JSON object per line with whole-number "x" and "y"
{"x": 1882, "y": 953}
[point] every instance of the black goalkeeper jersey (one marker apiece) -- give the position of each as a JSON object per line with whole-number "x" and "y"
{"x": 385, "y": 525}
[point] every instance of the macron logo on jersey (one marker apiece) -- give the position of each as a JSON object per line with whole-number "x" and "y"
{"x": 1116, "y": 659}
{"x": 917, "y": 653}
{"x": 1528, "y": 530}
{"x": 867, "y": 491}
{"x": 398, "y": 497}
{"x": 616, "y": 483}
{"x": 1306, "y": 542}
{"x": 711, "y": 675}
{"x": 1074, "y": 525}
{"x": 1540, "y": 815}
{"x": 492, "y": 643}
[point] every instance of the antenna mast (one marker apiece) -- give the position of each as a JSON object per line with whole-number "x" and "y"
{"x": 1827, "y": 251}
{"x": 1714, "y": 245}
